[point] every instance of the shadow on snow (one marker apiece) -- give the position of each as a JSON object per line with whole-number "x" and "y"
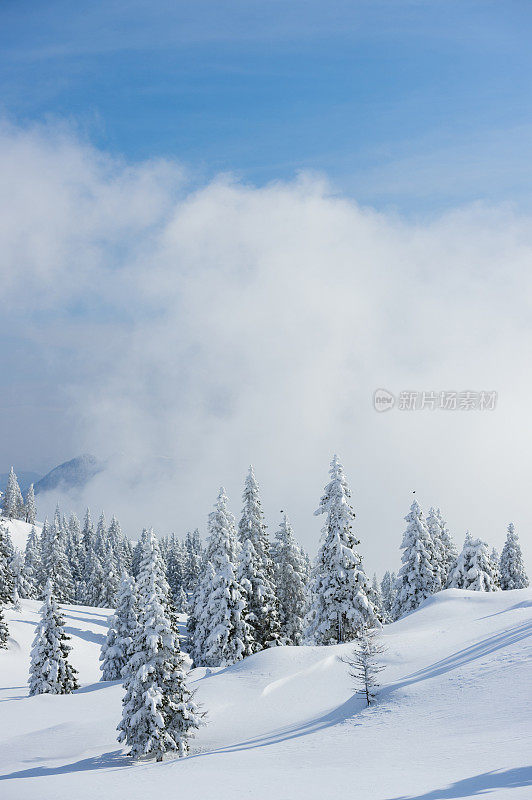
{"x": 478, "y": 784}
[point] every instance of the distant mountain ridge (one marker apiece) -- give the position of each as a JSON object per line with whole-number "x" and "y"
{"x": 73, "y": 474}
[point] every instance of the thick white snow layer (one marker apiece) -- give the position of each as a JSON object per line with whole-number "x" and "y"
{"x": 453, "y": 718}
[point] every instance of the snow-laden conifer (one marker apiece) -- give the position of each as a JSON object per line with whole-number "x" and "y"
{"x": 159, "y": 713}
{"x": 444, "y": 552}
{"x": 12, "y": 502}
{"x": 388, "y": 594}
{"x": 32, "y": 564}
{"x": 263, "y": 612}
{"x": 6, "y": 576}
{"x": 290, "y": 570}
{"x": 31, "y": 511}
{"x": 117, "y": 648}
{"x": 50, "y": 670}
{"x": 4, "y": 630}
{"x": 224, "y": 634}
{"x": 110, "y": 579}
{"x": 512, "y": 570}
{"x": 473, "y": 569}
{"x": 21, "y": 585}
{"x": 340, "y": 605}
{"x": 415, "y": 581}
{"x": 55, "y": 560}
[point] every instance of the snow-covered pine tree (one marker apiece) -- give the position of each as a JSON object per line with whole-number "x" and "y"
{"x": 22, "y": 587}
{"x": 76, "y": 557}
{"x": 137, "y": 558}
{"x": 32, "y": 564}
{"x": 117, "y": 648}
{"x": 55, "y": 561}
{"x": 365, "y": 665}
{"x": 12, "y": 502}
{"x": 50, "y": 670}
{"x": 100, "y": 538}
{"x": 159, "y": 714}
{"x": 31, "y": 511}
{"x": 377, "y": 599}
{"x": 388, "y": 594}
{"x": 495, "y": 560}
{"x": 263, "y": 607}
{"x": 193, "y": 560}
{"x": 473, "y": 569}
{"x": 196, "y": 633}
{"x": 93, "y": 580}
{"x": 119, "y": 543}
{"x": 290, "y": 570}
{"x": 4, "y": 630}
{"x": 180, "y": 601}
{"x": 444, "y": 549}
{"x": 223, "y": 631}
{"x": 175, "y": 567}
{"x": 512, "y": 570}
{"x": 415, "y": 581}
{"x": 110, "y": 579}
{"x": 341, "y": 605}
{"x": 6, "y": 576}
{"x": 87, "y": 534}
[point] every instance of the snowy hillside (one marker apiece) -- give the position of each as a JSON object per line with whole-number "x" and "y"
{"x": 19, "y": 531}
{"x": 453, "y": 719}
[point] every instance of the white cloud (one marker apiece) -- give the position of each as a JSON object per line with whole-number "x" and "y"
{"x": 199, "y": 329}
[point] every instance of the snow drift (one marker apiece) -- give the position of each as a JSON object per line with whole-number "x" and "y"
{"x": 452, "y": 721}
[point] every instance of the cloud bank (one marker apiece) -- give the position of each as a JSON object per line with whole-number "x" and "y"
{"x": 184, "y": 331}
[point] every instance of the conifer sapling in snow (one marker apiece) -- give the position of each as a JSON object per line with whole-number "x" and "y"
{"x": 31, "y": 511}
{"x": 512, "y": 570}
{"x": 50, "y": 670}
{"x": 365, "y": 665}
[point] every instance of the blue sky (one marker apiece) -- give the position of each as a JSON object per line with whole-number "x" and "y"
{"x": 410, "y": 105}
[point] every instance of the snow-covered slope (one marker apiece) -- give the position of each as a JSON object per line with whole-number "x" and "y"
{"x": 453, "y": 720}
{"x": 19, "y": 531}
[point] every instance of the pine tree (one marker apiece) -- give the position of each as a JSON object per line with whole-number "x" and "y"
{"x": 415, "y": 581}
{"x": 495, "y": 561}
{"x": 22, "y": 587}
{"x": 290, "y": 571}
{"x": 224, "y": 633}
{"x": 376, "y": 598}
{"x": 110, "y": 579}
{"x": 76, "y": 557}
{"x": 100, "y": 538}
{"x": 181, "y": 601}
{"x": 193, "y": 560}
{"x": 159, "y": 713}
{"x": 388, "y": 594}
{"x": 4, "y": 630}
{"x": 512, "y": 570}
{"x": 94, "y": 580}
{"x": 473, "y": 569}
{"x": 137, "y": 558}
{"x": 50, "y": 670}
{"x": 87, "y": 534}
{"x": 12, "y": 502}
{"x": 444, "y": 549}
{"x": 263, "y": 608}
{"x": 341, "y": 605}
{"x": 55, "y": 561}
{"x": 32, "y": 564}
{"x": 364, "y": 663}
{"x": 175, "y": 570}
{"x": 6, "y": 576}
{"x": 31, "y": 511}
{"x": 117, "y": 648}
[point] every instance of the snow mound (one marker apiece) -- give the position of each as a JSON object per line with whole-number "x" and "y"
{"x": 453, "y": 718}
